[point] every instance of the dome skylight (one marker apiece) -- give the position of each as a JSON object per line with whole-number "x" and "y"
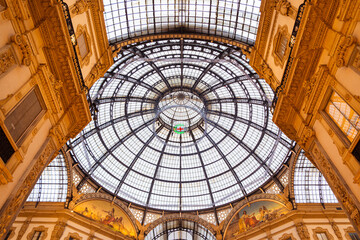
{"x": 181, "y": 125}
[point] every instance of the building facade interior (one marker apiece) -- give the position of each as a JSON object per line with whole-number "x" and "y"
{"x": 180, "y": 119}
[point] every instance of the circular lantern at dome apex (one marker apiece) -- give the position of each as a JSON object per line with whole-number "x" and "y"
{"x": 181, "y": 134}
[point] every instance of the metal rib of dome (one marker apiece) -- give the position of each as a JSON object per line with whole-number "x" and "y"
{"x": 230, "y": 147}
{"x": 236, "y": 20}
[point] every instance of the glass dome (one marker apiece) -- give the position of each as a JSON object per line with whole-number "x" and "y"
{"x": 180, "y": 125}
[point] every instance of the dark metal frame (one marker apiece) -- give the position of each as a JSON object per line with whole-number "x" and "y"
{"x": 141, "y": 52}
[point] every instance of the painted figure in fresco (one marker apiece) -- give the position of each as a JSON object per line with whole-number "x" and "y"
{"x": 250, "y": 220}
{"x": 264, "y": 214}
{"x": 119, "y": 226}
{"x": 115, "y": 222}
{"x": 86, "y": 213}
{"x": 109, "y": 218}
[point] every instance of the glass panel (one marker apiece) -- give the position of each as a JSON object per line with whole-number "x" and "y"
{"x": 227, "y": 18}
{"x": 37, "y": 235}
{"x": 344, "y": 116}
{"x": 310, "y": 185}
{"x": 23, "y": 115}
{"x": 354, "y": 236}
{"x": 183, "y": 131}
{"x": 321, "y": 236}
{"x": 52, "y": 184}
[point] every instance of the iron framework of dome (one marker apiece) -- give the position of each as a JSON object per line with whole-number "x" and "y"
{"x": 237, "y": 20}
{"x": 230, "y": 147}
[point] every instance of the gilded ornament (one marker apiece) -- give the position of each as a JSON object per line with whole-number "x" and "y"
{"x": 79, "y": 7}
{"x": 7, "y": 60}
{"x": 345, "y": 43}
{"x": 302, "y": 231}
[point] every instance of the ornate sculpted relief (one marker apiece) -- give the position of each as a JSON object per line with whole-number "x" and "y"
{"x": 322, "y": 230}
{"x": 58, "y": 230}
{"x": 302, "y": 231}
{"x": 355, "y": 60}
{"x": 23, "y": 229}
{"x": 281, "y": 34}
{"x": 79, "y": 7}
{"x": 343, "y": 51}
{"x": 287, "y": 237}
{"x": 285, "y": 8}
{"x": 23, "y": 47}
{"x": 7, "y": 59}
{"x": 38, "y": 229}
{"x": 74, "y": 236}
{"x": 336, "y": 230}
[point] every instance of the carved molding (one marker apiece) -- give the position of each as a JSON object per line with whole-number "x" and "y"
{"x": 322, "y": 230}
{"x": 175, "y": 216}
{"x": 266, "y": 73}
{"x": 343, "y": 51}
{"x": 337, "y": 186}
{"x": 282, "y": 31}
{"x": 22, "y": 44}
{"x": 58, "y": 230}
{"x": 23, "y": 229}
{"x": 302, "y": 231}
{"x": 38, "y": 229}
{"x": 285, "y": 8}
{"x": 82, "y": 29}
{"x": 74, "y": 236}
{"x": 79, "y": 7}
{"x": 355, "y": 59}
{"x": 287, "y": 236}
{"x": 347, "y": 231}
{"x": 96, "y": 72}
{"x": 7, "y": 59}
{"x": 336, "y": 229}
{"x": 5, "y": 175}
{"x": 13, "y": 205}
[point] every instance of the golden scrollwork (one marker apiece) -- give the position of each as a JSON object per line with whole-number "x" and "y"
{"x": 342, "y": 53}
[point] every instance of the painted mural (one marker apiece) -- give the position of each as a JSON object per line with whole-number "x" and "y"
{"x": 108, "y": 214}
{"x": 254, "y": 215}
